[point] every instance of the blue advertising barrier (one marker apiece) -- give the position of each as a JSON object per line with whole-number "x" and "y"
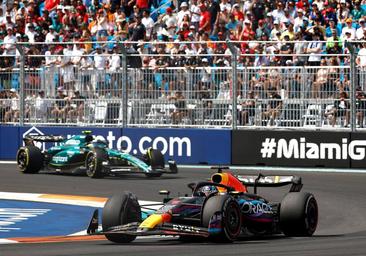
{"x": 185, "y": 146}
{"x": 9, "y": 142}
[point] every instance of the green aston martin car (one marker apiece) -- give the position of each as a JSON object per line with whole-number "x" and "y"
{"x": 82, "y": 154}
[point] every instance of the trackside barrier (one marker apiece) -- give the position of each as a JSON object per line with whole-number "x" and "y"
{"x": 299, "y": 149}
{"x": 212, "y": 147}
{"x": 185, "y": 146}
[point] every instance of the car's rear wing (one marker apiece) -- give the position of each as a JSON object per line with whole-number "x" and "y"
{"x": 28, "y": 140}
{"x": 271, "y": 181}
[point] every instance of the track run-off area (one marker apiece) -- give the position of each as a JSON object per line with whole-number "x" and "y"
{"x": 341, "y": 196}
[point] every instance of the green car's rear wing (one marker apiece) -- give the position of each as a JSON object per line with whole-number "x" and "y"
{"x": 271, "y": 181}
{"x": 28, "y": 140}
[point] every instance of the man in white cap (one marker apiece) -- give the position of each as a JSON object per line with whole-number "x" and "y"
{"x": 196, "y": 14}
{"x": 183, "y": 12}
{"x": 51, "y": 34}
{"x": 9, "y": 42}
{"x": 360, "y": 30}
{"x": 276, "y": 30}
{"x": 299, "y": 20}
{"x": 224, "y": 5}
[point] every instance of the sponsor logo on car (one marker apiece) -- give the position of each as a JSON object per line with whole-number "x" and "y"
{"x": 186, "y": 228}
{"x": 256, "y": 208}
{"x": 59, "y": 159}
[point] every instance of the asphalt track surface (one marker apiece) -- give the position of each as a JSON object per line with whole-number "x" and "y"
{"x": 341, "y": 229}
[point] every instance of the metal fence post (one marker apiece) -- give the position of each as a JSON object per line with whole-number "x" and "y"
{"x": 234, "y": 54}
{"x": 352, "y": 49}
{"x": 22, "y": 83}
{"x": 124, "y": 86}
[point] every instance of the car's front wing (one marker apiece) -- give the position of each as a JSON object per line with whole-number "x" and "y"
{"x": 134, "y": 229}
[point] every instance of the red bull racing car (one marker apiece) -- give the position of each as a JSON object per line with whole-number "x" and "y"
{"x": 221, "y": 210}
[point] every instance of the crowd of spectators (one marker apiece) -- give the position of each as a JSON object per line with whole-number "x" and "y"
{"x": 185, "y": 29}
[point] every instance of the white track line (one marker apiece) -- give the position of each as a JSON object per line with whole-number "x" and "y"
{"x": 264, "y": 168}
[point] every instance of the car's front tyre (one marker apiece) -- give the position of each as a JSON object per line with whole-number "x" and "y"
{"x": 230, "y": 213}
{"x": 94, "y": 163}
{"x": 121, "y": 208}
{"x": 156, "y": 160}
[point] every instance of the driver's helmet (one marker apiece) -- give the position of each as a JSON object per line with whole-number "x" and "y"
{"x": 207, "y": 190}
{"x": 88, "y": 138}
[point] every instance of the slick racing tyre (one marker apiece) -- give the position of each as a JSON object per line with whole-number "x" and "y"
{"x": 94, "y": 163}
{"x": 298, "y": 214}
{"x": 156, "y": 159}
{"x": 29, "y": 159}
{"x": 231, "y": 217}
{"x": 120, "y": 209}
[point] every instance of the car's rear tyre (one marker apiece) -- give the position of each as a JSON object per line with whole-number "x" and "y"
{"x": 231, "y": 217}
{"x": 120, "y": 209}
{"x": 298, "y": 214}
{"x": 156, "y": 160}
{"x": 94, "y": 163}
{"x": 29, "y": 159}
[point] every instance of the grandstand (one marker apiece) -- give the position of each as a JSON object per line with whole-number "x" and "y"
{"x": 244, "y": 64}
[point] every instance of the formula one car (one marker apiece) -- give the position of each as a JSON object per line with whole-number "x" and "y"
{"x": 221, "y": 209}
{"x": 82, "y": 154}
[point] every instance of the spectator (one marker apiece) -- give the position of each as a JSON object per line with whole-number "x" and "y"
{"x": 334, "y": 44}
{"x": 332, "y": 28}
{"x": 276, "y": 31}
{"x": 9, "y": 42}
{"x": 61, "y": 106}
{"x": 274, "y": 107}
{"x": 238, "y": 15}
{"x": 42, "y": 106}
{"x": 225, "y": 5}
{"x": 247, "y": 109}
{"x": 114, "y": 67}
{"x": 67, "y": 69}
{"x": 195, "y": 14}
{"x": 278, "y": 13}
{"x": 170, "y": 22}
{"x": 361, "y": 57}
{"x": 314, "y": 49}
{"x": 286, "y": 49}
{"x": 100, "y": 63}
{"x": 12, "y": 113}
{"x": 183, "y": 12}
{"x": 360, "y": 107}
{"x": 77, "y": 106}
{"x": 360, "y": 32}
{"x": 148, "y": 23}
{"x": 299, "y": 20}
{"x": 340, "y": 109}
{"x": 321, "y": 79}
{"x": 349, "y": 29}
{"x": 180, "y": 110}
{"x": 205, "y": 22}
{"x": 31, "y": 33}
